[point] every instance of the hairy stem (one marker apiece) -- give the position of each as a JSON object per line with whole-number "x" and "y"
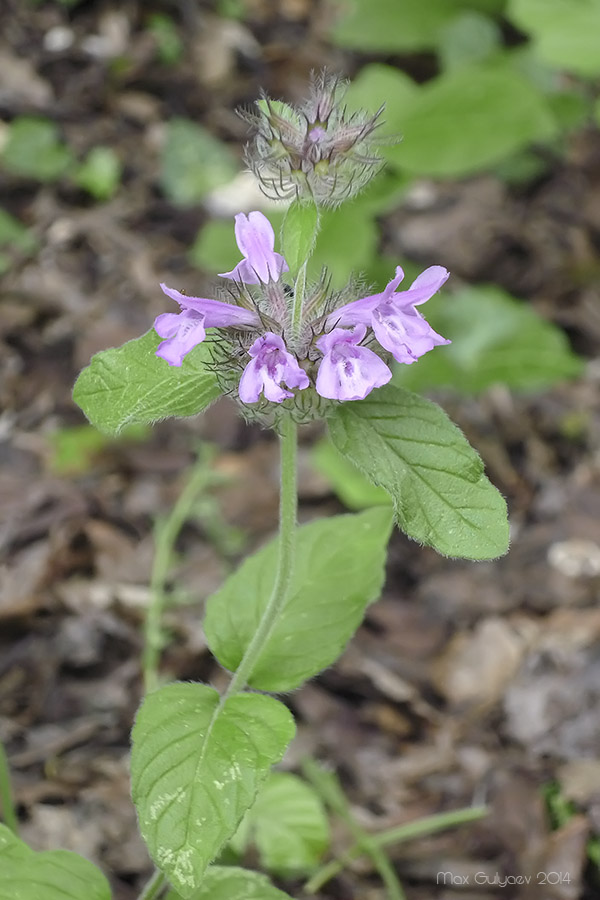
{"x": 288, "y": 507}
{"x": 6, "y": 797}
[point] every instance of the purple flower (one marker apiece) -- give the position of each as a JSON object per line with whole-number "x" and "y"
{"x": 184, "y": 330}
{"x": 256, "y": 239}
{"x": 270, "y": 366}
{"x": 397, "y": 325}
{"x": 347, "y": 371}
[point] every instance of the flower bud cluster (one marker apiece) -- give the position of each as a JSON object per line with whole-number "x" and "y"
{"x": 315, "y": 150}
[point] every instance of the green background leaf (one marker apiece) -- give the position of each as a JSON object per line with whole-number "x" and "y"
{"x": 100, "y": 173}
{"x": 288, "y": 825}
{"x": 34, "y": 149}
{"x": 196, "y": 767}
{"x": 230, "y": 883}
{"x": 52, "y": 875}
{"x": 495, "y": 340}
{"x": 405, "y": 25}
{"x": 470, "y": 119}
{"x": 131, "y": 385}
{"x": 193, "y": 162}
{"x": 441, "y": 497}
{"x": 565, "y": 33}
{"x": 339, "y": 570}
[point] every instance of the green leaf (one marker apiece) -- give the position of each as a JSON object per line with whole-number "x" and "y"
{"x": 34, "y": 149}
{"x": 339, "y": 570}
{"x": 564, "y": 32}
{"x": 130, "y": 385}
{"x": 495, "y": 340}
{"x": 376, "y": 84}
{"x": 469, "y": 38}
{"x": 196, "y": 766}
{"x": 471, "y": 119}
{"x": 230, "y": 883}
{"x": 298, "y": 234}
{"x": 52, "y": 875}
{"x": 14, "y": 234}
{"x": 193, "y": 163}
{"x": 100, "y": 174}
{"x": 169, "y": 45}
{"x": 287, "y": 824}
{"x": 389, "y": 25}
{"x": 354, "y": 490}
{"x": 347, "y": 237}
{"x": 410, "y": 447}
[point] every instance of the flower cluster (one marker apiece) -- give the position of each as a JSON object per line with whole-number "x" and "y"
{"x": 342, "y": 353}
{"x": 316, "y": 150}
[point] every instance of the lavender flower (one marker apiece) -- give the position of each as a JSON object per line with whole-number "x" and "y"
{"x": 347, "y": 371}
{"x": 396, "y": 324}
{"x": 334, "y": 353}
{"x": 271, "y": 364}
{"x": 256, "y": 239}
{"x": 185, "y": 330}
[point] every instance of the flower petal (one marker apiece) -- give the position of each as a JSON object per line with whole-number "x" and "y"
{"x": 188, "y": 333}
{"x": 404, "y": 332}
{"x": 256, "y": 239}
{"x": 217, "y": 313}
{"x": 270, "y": 366}
{"x": 424, "y": 286}
{"x": 347, "y": 371}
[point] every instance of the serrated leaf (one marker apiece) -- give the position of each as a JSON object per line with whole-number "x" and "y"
{"x": 564, "y": 32}
{"x": 298, "y": 234}
{"x": 354, "y": 490}
{"x": 287, "y": 824}
{"x": 52, "y": 875}
{"x": 197, "y": 763}
{"x": 231, "y": 883}
{"x": 470, "y": 119}
{"x": 339, "y": 570}
{"x": 410, "y": 447}
{"x": 496, "y": 339}
{"x": 130, "y": 385}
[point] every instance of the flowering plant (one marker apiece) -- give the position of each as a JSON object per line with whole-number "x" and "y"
{"x": 287, "y": 352}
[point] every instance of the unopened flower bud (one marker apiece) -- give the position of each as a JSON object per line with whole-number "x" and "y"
{"x": 315, "y": 150}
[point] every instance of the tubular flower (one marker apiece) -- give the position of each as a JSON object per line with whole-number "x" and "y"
{"x": 256, "y": 239}
{"x": 271, "y": 364}
{"x": 260, "y": 356}
{"x": 348, "y": 371}
{"x": 396, "y": 324}
{"x": 185, "y": 330}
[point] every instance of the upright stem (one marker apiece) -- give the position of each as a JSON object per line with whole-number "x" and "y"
{"x": 288, "y": 507}
{"x": 299, "y": 292}
{"x": 6, "y": 797}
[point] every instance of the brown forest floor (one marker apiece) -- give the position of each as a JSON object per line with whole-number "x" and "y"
{"x": 468, "y": 682}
